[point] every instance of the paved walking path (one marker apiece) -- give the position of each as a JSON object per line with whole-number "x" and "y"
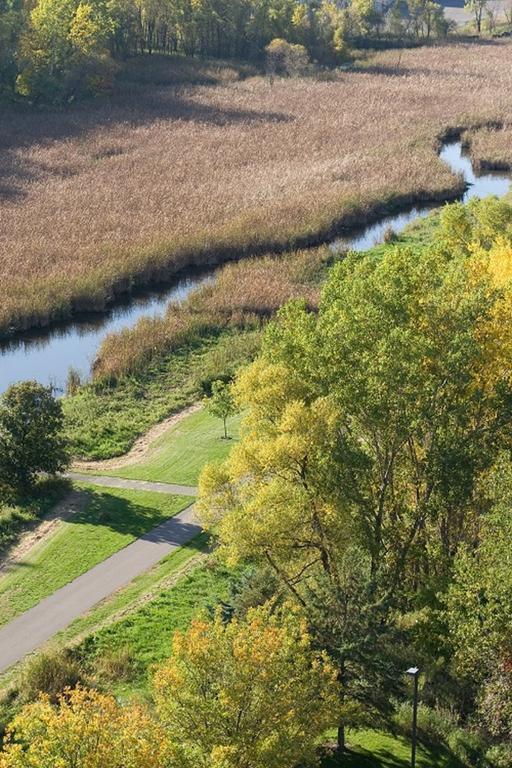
{"x": 33, "y": 628}
{"x": 135, "y": 485}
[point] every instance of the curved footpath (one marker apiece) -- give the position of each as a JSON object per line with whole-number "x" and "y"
{"x": 134, "y": 485}
{"x": 33, "y": 628}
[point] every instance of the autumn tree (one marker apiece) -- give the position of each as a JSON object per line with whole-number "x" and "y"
{"x": 249, "y": 693}
{"x": 85, "y": 730}
{"x": 368, "y": 426}
{"x": 285, "y": 59}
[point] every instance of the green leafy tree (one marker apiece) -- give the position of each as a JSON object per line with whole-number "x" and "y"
{"x": 479, "y": 601}
{"x": 31, "y": 435}
{"x": 63, "y": 48}
{"x": 369, "y": 425}
{"x": 427, "y": 18}
{"x": 477, "y": 8}
{"x": 12, "y": 18}
{"x": 126, "y": 28}
{"x": 221, "y": 404}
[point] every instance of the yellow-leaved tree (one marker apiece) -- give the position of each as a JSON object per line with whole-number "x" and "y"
{"x": 250, "y": 693}
{"x": 369, "y": 424}
{"x": 85, "y": 730}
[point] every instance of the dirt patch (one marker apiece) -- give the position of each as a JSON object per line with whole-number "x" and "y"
{"x": 73, "y": 504}
{"x": 140, "y": 448}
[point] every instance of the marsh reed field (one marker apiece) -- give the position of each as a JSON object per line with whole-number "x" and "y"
{"x": 243, "y": 297}
{"x": 192, "y": 164}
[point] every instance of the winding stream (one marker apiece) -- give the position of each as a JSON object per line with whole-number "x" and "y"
{"x": 48, "y": 354}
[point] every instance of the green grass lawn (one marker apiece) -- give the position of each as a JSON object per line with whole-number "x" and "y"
{"x": 146, "y": 632}
{"x": 179, "y": 455}
{"x": 104, "y": 420}
{"x": 163, "y": 576}
{"x": 374, "y": 749}
{"x": 110, "y": 520}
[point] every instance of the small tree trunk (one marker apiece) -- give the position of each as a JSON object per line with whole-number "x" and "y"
{"x": 341, "y": 738}
{"x": 225, "y": 429}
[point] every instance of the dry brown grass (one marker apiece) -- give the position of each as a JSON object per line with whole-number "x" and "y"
{"x": 243, "y": 295}
{"x": 106, "y": 194}
{"x": 491, "y": 148}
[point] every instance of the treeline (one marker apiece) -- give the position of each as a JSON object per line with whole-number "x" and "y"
{"x": 58, "y": 49}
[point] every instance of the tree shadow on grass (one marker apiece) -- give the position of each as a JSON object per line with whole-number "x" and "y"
{"x": 359, "y": 757}
{"x": 136, "y": 519}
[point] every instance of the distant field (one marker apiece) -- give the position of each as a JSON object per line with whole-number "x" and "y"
{"x": 169, "y": 174}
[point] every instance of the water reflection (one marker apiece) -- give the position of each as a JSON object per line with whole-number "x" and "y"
{"x": 48, "y": 355}
{"x": 477, "y": 186}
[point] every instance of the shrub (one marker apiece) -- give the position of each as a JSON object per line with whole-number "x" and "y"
{"x": 115, "y": 664}
{"x": 74, "y": 381}
{"x": 467, "y": 746}
{"x": 284, "y": 58}
{"x": 499, "y": 756}
{"x": 434, "y": 725}
{"x": 49, "y": 672}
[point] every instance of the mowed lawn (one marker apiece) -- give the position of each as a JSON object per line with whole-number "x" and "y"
{"x": 374, "y": 749}
{"x": 146, "y": 633}
{"x": 179, "y": 455}
{"x": 109, "y": 521}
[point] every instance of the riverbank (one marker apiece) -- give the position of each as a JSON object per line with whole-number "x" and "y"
{"x": 198, "y": 306}
{"x": 150, "y": 363}
{"x": 211, "y": 173}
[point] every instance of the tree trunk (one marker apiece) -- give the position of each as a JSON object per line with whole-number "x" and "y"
{"x": 225, "y": 429}
{"x": 341, "y": 738}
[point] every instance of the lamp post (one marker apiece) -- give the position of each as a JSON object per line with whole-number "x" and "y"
{"x": 414, "y": 673}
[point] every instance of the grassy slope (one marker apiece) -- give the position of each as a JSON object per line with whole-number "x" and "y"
{"x": 142, "y": 589}
{"x": 146, "y": 633}
{"x": 374, "y": 749}
{"x": 179, "y": 455}
{"x": 110, "y": 521}
{"x": 104, "y": 421}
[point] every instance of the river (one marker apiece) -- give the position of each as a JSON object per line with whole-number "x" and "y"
{"x": 47, "y": 355}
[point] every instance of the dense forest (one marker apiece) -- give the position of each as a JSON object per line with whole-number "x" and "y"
{"x": 58, "y": 49}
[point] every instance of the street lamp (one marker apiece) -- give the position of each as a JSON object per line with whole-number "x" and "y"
{"x": 414, "y": 673}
